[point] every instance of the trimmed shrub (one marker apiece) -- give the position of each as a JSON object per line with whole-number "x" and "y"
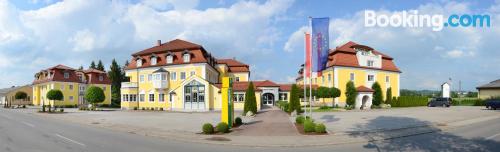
{"x": 143, "y": 108}
{"x": 351, "y": 93}
{"x": 94, "y": 95}
{"x": 309, "y": 126}
{"x": 377, "y": 95}
{"x": 238, "y": 121}
{"x": 24, "y": 106}
{"x": 324, "y": 107}
{"x": 250, "y": 103}
{"x": 299, "y": 119}
{"x": 283, "y": 105}
{"x": 409, "y": 101}
{"x": 135, "y": 108}
{"x": 294, "y": 104}
{"x": 61, "y": 110}
{"x": 222, "y": 127}
{"x": 320, "y": 128}
{"x": 161, "y": 109}
{"x": 208, "y": 128}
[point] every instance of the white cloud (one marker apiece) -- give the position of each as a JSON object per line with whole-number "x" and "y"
{"x": 454, "y": 53}
{"x": 60, "y": 32}
{"x": 294, "y": 42}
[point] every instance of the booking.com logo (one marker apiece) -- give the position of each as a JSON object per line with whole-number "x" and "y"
{"x": 414, "y": 19}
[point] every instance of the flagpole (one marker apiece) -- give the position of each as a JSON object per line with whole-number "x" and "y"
{"x": 304, "y": 74}
{"x": 310, "y": 69}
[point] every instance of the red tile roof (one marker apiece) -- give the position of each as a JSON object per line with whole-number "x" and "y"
{"x": 364, "y": 89}
{"x": 288, "y": 87}
{"x": 174, "y": 45}
{"x": 345, "y": 55}
{"x": 234, "y": 65}
{"x": 56, "y": 73}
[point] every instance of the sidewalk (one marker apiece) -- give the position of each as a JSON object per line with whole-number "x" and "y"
{"x": 268, "y": 122}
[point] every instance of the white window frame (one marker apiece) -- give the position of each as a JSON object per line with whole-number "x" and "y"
{"x": 161, "y": 97}
{"x": 387, "y": 79}
{"x": 151, "y": 99}
{"x": 372, "y": 76}
{"x": 352, "y": 77}
{"x": 71, "y": 98}
{"x": 150, "y": 77}
{"x": 370, "y": 63}
{"x": 62, "y": 86}
{"x": 183, "y": 75}
{"x": 192, "y": 73}
{"x": 138, "y": 62}
{"x": 101, "y": 78}
{"x": 173, "y": 76}
{"x": 154, "y": 60}
{"x": 70, "y": 87}
{"x": 237, "y": 79}
{"x": 141, "y": 78}
{"x": 142, "y": 97}
{"x": 186, "y": 57}
{"x": 66, "y": 75}
{"x": 170, "y": 59}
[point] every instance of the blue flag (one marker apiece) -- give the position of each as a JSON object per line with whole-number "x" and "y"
{"x": 320, "y": 43}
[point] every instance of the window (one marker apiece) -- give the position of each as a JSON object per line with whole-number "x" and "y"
{"x": 133, "y": 97}
{"x": 387, "y": 79}
{"x": 151, "y": 97}
{"x": 125, "y": 97}
{"x": 329, "y": 77}
{"x": 103, "y": 88}
{"x": 239, "y": 97}
{"x": 163, "y": 76}
{"x": 283, "y": 96}
{"x": 150, "y": 77}
{"x": 237, "y": 79}
{"x": 171, "y": 98}
{"x": 101, "y": 78}
{"x": 173, "y": 75}
{"x": 70, "y": 98}
{"x": 66, "y": 75}
{"x": 186, "y": 57}
{"x": 364, "y": 53}
{"x": 141, "y": 97}
{"x": 70, "y": 87}
{"x": 139, "y": 62}
{"x": 351, "y": 77}
{"x": 161, "y": 97}
{"x": 183, "y": 75}
{"x": 62, "y": 86}
{"x": 170, "y": 58}
{"x": 192, "y": 73}
{"x": 323, "y": 79}
{"x": 371, "y": 78}
{"x": 153, "y": 60}
{"x": 369, "y": 63}
{"x": 141, "y": 78}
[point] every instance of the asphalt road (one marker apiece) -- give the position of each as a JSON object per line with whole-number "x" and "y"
{"x": 21, "y": 132}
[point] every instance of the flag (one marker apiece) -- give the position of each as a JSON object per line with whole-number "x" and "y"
{"x": 307, "y": 68}
{"x": 320, "y": 43}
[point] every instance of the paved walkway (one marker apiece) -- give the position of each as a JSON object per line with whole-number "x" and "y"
{"x": 268, "y": 122}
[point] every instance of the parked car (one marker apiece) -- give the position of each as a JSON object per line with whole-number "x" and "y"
{"x": 492, "y": 104}
{"x": 443, "y": 102}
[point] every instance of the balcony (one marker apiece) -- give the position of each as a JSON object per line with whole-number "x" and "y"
{"x": 129, "y": 85}
{"x": 160, "y": 84}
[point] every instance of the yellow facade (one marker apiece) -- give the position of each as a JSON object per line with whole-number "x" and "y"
{"x": 73, "y": 93}
{"x": 10, "y": 97}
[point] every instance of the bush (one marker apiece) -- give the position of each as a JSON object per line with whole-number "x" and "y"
{"x": 309, "y": 126}
{"x": 324, "y": 107}
{"x": 161, "y": 109}
{"x": 377, "y": 95}
{"x": 479, "y": 102}
{"x": 143, "y": 108}
{"x": 320, "y": 128}
{"x": 61, "y": 110}
{"x": 94, "y": 95}
{"x": 283, "y": 105}
{"x": 294, "y": 104}
{"x": 250, "y": 103}
{"x": 409, "y": 101}
{"x": 222, "y": 127}
{"x": 351, "y": 93}
{"x": 299, "y": 119}
{"x": 24, "y": 106}
{"x": 135, "y": 108}
{"x": 238, "y": 121}
{"x": 208, "y": 128}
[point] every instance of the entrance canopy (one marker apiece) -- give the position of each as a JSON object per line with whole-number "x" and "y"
{"x": 364, "y": 98}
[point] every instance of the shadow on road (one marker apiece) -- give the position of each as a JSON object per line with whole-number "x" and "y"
{"x": 437, "y": 141}
{"x": 329, "y": 118}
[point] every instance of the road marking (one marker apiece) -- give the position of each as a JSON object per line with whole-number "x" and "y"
{"x": 28, "y": 124}
{"x": 491, "y": 137}
{"x": 73, "y": 141}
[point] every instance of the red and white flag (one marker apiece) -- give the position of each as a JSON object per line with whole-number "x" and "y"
{"x": 308, "y": 63}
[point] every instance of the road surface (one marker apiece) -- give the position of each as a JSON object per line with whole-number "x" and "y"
{"x": 22, "y": 132}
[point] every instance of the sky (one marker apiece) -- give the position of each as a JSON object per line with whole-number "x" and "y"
{"x": 267, "y": 35}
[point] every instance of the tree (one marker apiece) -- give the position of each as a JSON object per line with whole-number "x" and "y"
{"x": 333, "y": 92}
{"x": 21, "y": 95}
{"x": 100, "y": 66}
{"x": 116, "y": 77}
{"x": 250, "y": 100}
{"x": 80, "y": 68}
{"x": 351, "y": 93}
{"x": 54, "y": 94}
{"x": 294, "y": 99}
{"x": 322, "y": 92}
{"x": 378, "y": 97}
{"x": 388, "y": 96}
{"x": 92, "y": 65}
{"x": 94, "y": 95}
{"x": 126, "y": 63}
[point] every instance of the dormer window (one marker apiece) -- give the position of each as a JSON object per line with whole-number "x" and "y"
{"x": 170, "y": 59}
{"x": 369, "y": 63}
{"x": 66, "y": 75}
{"x": 154, "y": 59}
{"x": 101, "y": 78}
{"x": 186, "y": 57}
{"x": 139, "y": 62}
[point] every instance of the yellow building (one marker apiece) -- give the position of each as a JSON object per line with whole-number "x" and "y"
{"x": 490, "y": 90}
{"x": 183, "y": 76}
{"x": 8, "y": 95}
{"x": 72, "y": 84}
{"x": 360, "y": 64}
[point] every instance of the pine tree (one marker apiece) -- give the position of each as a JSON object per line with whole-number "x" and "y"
{"x": 351, "y": 93}
{"x": 116, "y": 77}
{"x": 100, "y": 66}
{"x": 388, "y": 96}
{"x": 92, "y": 65}
{"x": 80, "y": 68}
{"x": 250, "y": 100}
{"x": 377, "y": 95}
{"x": 294, "y": 99}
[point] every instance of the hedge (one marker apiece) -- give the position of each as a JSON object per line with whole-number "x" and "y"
{"x": 409, "y": 101}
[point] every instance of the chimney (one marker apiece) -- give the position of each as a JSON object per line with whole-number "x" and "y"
{"x": 158, "y": 42}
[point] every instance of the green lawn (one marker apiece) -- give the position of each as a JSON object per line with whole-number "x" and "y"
{"x": 317, "y": 109}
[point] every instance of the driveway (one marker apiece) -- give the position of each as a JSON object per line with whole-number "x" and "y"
{"x": 268, "y": 122}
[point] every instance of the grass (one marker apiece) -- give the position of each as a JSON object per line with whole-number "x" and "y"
{"x": 329, "y": 109}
